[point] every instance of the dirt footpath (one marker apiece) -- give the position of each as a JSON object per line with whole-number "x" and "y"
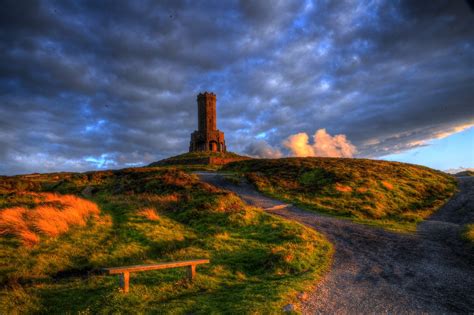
{"x": 376, "y": 271}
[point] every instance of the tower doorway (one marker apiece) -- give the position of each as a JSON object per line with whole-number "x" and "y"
{"x": 213, "y": 146}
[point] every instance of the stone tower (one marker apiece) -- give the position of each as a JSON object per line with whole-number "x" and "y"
{"x": 207, "y": 137}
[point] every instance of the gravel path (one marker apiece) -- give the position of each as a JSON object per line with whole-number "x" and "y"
{"x": 376, "y": 271}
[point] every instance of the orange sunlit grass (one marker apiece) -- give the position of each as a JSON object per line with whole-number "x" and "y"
{"x": 52, "y": 216}
{"x": 149, "y": 213}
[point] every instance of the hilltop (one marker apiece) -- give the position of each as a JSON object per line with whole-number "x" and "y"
{"x": 201, "y": 158}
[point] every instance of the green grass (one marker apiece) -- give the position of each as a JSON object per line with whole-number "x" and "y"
{"x": 258, "y": 262}
{"x": 391, "y": 195}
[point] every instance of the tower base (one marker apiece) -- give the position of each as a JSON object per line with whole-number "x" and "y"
{"x": 212, "y": 141}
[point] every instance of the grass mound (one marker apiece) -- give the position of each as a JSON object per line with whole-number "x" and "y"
{"x": 389, "y": 194}
{"x": 199, "y": 154}
{"x": 258, "y": 262}
{"x": 201, "y": 158}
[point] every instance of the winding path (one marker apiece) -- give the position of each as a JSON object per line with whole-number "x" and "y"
{"x": 375, "y": 271}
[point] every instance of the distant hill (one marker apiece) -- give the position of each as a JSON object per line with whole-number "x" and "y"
{"x": 465, "y": 173}
{"x": 201, "y": 158}
{"x": 459, "y": 170}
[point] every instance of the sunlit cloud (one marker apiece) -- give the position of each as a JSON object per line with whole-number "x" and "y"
{"x": 441, "y": 134}
{"x": 453, "y": 130}
{"x": 323, "y": 145}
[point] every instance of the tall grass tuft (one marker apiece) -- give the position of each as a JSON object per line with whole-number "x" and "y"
{"x": 52, "y": 216}
{"x": 149, "y": 213}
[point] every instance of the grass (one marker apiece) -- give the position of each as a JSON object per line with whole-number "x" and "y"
{"x": 52, "y": 215}
{"x": 187, "y": 158}
{"x": 390, "y": 195}
{"x": 147, "y": 215}
{"x": 468, "y": 234}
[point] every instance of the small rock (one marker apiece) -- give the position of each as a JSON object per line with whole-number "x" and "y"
{"x": 302, "y": 296}
{"x": 288, "y": 308}
{"x": 88, "y": 191}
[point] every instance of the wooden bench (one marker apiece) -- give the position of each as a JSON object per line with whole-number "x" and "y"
{"x": 124, "y": 272}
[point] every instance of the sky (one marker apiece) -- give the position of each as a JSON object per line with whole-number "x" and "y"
{"x": 441, "y": 152}
{"x": 88, "y": 85}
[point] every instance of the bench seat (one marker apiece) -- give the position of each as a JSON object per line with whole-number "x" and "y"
{"x": 125, "y": 271}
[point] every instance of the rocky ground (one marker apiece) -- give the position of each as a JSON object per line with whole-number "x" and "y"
{"x": 376, "y": 271}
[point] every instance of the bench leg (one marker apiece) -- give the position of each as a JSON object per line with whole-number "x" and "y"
{"x": 191, "y": 272}
{"x": 125, "y": 281}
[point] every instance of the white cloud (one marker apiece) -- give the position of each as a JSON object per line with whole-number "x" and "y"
{"x": 262, "y": 149}
{"x": 460, "y": 169}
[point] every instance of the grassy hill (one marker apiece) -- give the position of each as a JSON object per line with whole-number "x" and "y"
{"x": 58, "y": 230}
{"x": 392, "y": 195}
{"x": 465, "y": 173}
{"x": 201, "y": 158}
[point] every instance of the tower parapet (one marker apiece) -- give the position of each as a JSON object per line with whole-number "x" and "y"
{"x": 207, "y": 137}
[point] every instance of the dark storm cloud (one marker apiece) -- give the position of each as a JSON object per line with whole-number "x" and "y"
{"x": 92, "y": 84}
